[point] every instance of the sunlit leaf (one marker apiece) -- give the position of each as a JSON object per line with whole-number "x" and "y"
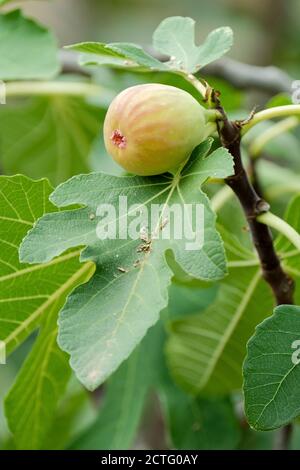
{"x": 28, "y": 292}
{"x": 116, "y": 54}
{"x": 27, "y": 49}
{"x": 272, "y": 370}
{"x": 175, "y": 36}
{"x": 104, "y": 320}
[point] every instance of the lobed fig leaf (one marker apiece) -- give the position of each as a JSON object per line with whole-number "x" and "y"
{"x": 104, "y": 320}
{"x": 128, "y": 55}
{"x": 175, "y": 36}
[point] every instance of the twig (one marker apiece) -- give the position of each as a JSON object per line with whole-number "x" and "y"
{"x": 271, "y": 113}
{"x": 253, "y": 205}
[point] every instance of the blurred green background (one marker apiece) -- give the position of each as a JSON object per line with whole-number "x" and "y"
{"x": 266, "y": 31}
{"x": 35, "y": 140}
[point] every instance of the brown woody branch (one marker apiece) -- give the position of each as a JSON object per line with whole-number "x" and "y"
{"x": 253, "y": 205}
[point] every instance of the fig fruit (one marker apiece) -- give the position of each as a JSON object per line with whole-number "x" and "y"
{"x": 150, "y": 129}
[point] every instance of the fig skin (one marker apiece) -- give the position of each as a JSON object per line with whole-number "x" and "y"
{"x": 151, "y": 129}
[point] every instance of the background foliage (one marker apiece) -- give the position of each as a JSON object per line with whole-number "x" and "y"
{"x": 186, "y": 374}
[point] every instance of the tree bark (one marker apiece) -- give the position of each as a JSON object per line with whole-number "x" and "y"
{"x": 253, "y": 205}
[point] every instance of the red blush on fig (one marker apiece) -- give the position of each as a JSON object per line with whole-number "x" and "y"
{"x": 118, "y": 139}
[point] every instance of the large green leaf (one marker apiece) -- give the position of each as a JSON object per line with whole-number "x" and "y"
{"x": 122, "y": 54}
{"x": 27, "y": 49}
{"x": 27, "y": 292}
{"x": 175, "y": 37}
{"x": 120, "y": 414}
{"x": 205, "y": 351}
{"x": 271, "y": 378}
{"x": 272, "y": 370}
{"x": 49, "y": 137}
{"x": 31, "y": 403}
{"x": 104, "y": 320}
{"x": 30, "y": 296}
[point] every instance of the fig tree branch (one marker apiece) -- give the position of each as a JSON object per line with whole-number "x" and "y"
{"x": 253, "y": 206}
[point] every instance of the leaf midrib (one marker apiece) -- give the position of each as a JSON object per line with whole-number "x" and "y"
{"x": 52, "y": 298}
{"x": 38, "y": 267}
{"x": 228, "y": 332}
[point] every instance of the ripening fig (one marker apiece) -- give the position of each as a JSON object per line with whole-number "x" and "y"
{"x": 150, "y": 129}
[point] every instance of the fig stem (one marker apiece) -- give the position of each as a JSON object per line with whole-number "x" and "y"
{"x": 271, "y": 113}
{"x": 212, "y": 115}
{"x": 281, "y": 226}
{"x": 197, "y": 84}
